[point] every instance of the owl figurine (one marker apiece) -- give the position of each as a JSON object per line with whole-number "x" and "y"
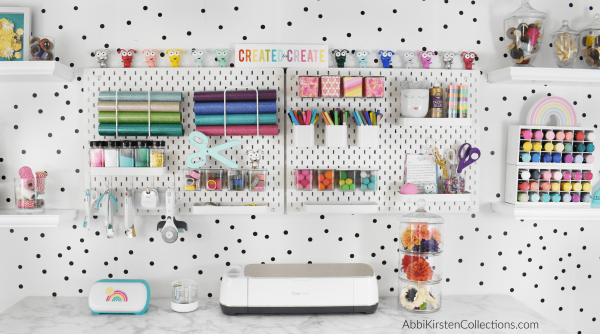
{"x": 448, "y": 58}
{"x": 429, "y": 188}
{"x": 340, "y": 57}
{"x": 386, "y": 58}
{"x": 409, "y": 58}
{"x": 362, "y": 56}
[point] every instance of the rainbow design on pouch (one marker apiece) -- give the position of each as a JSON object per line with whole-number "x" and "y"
{"x": 540, "y": 113}
{"x": 115, "y": 296}
{"x": 353, "y": 86}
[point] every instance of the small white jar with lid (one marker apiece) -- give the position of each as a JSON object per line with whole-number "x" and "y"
{"x": 184, "y": 297}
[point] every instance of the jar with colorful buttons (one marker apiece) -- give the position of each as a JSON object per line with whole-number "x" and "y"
{"x": 590, "y": 43}
{"x": 213, "y": 179}
{"x": 524, "y": 30}
{"x": 565, "y": 42}
{"x": 326, "y": 179}
{"x": 257, "y": 179}
{"x": 348, "y": 179}
{"x": 304, "y": 179}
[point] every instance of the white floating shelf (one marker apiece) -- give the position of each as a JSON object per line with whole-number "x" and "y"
{"x": 546, "y": 76}
{"x": 341, "y": 208}
{"x": 241, "y": 209}
{"x": 466, "y": 197}
{"x": 434, "y": 121}
{"x": 34, "y": 71}
{"x": 48, "y": 218}
{"x": 547, "y": 212}
{"x": 129, "y": 171}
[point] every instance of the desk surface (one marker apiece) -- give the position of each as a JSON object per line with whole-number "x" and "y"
{"x": 72, "y": 315}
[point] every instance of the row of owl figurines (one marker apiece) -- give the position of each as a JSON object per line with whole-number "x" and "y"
{"x": 221, "y": 56}
{"x": 409, "y": 58}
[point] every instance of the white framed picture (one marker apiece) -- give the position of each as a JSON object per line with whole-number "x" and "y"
{"x": 15, "y": 31}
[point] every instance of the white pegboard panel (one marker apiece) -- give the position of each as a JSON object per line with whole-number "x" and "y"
{"x": 393, "y": 144}
{"x": 188, "y": 81}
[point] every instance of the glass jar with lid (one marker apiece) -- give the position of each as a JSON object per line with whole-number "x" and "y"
{"x": 524, "y": 29}
{"x": 421, "y": 232}
{"x": 590, "y": 43}
{"x": 565, "y": 42}
{"x": 157, "y": 154}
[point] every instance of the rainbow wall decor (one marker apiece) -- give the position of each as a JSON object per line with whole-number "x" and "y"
{"x": 556, "y": 106}
{"x": 117, "y": 296}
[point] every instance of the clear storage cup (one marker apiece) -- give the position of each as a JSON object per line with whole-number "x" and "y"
{"x": 420, "y": 267}
{"x": 236, "y": 179}
{"x": 419, "y": 298}
{"x": 257, "y": 179}
{"x": 326, "y": 179}
{"x": 304, "y": 179}
{"x": 213, "y": 179}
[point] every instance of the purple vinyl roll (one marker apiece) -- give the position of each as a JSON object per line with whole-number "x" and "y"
{"x": 236, "y": 95}
{"x": 216, "y": 108}
{"x": 239, "y": 130}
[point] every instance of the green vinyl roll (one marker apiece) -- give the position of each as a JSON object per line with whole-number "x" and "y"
{"x": 236, "y": 119}
{"x": 141, "y": 130}
{"x": 142, "y": 96}
{"x": 134, "y": 117}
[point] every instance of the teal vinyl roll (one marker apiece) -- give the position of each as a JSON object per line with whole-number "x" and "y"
{"x": 237, "y": 119}
{"x": 142, "y": 96}
{"x": 141, "y": 130}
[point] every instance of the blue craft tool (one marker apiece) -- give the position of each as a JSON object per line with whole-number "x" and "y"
{"x": 213, "y": 151}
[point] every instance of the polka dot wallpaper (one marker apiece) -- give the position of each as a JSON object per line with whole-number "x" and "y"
{"x": 552, "y": 265}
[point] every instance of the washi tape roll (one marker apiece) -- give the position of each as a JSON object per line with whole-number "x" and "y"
{"x": 195, "y": 174}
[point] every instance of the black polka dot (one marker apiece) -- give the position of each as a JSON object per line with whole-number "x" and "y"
{"x": 75, "y": 8}
{"x": 43, "y": 10}
{"x": 289, "y": 24}
{"x": 262, "y": 26}
{"x": 420, "y": 29}
{"x": 349, "y": 34}
{"x": 324, "y": 39}
{"x": 445, "y": 26}
{"x": 203, "y": 10}
{"x": 220, "y": 27}
{"x": 164, "y": 38}
{"x": 461, "y": 12}
{"x": 83, "y": 37}
{"x": 320, "y": 16}
{"x": 128, "y": 23}
{"x": 159, "y": 14}
{"x": 306, "y": 9}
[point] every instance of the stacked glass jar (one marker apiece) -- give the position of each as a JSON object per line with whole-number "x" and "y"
{"x": 127, "y": 154}
{"x": 420, "y": 261}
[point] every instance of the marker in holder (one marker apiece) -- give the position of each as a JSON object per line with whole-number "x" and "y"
{"x": 303, "y": 123}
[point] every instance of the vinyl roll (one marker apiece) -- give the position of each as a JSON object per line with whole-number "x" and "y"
{"x": 141, "y": 130}
{"x": 140, "y": 106}
{"x": 132, "y": 117}
{"x": 235, "y": 119}
{"x": 217, "y": 108}
{"x": 142, "y": 96}
{"x": 239, "y": 130}
{"x": 240, "y": 95}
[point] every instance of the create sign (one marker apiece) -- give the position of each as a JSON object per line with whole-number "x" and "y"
{"x": 281, "y": 55}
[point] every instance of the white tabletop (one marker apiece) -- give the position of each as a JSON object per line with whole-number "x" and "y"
{"x": 71, "y": 315}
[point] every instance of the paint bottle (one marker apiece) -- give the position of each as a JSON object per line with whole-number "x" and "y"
{"x": 436, "y": 101}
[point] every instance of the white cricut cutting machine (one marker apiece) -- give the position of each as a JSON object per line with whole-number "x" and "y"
{"x": 299, "y": 288}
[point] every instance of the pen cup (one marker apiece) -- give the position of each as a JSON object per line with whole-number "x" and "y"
{"x": 304, "y": 179}
{"x": 304, "y": 135}
{"x": 367, "y": 136}
{"x": 336, "y": 135}
{"x": 257, "y": 179}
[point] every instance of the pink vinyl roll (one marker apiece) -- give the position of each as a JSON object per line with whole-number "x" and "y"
{"x": 239, "y": 130}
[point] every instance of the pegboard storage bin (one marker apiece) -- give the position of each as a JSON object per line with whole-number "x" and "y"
{"x": 512, "y": 190}
{"x": 393, "y": 144}
{"x": 336, "y": 135}
{"x": 367, "y": 136}
{"x": 304, "y": 135}
{"x": 515, "y": 144}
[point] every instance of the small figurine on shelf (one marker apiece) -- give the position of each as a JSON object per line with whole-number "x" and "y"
{"x": 448, "y": 58}
{"x": 198, "y": 57}
{"x": 102, "y": 56}
{"x": 386, "y": 58}
{"x": 340, "y": 57}
{"x": 469, "y": 58}
{"x": 362, "y": 57}
{"x": 430, "y": 188}
{"x": 127, "y": 56}
{"x": 254, "y": 158}
{"x": 150, "y": 56}
{"x": 174, "y": 56}
{"x": 222, "y": 56}
{"x": 409, "y": 58}
{"x": 425, "y": 58}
